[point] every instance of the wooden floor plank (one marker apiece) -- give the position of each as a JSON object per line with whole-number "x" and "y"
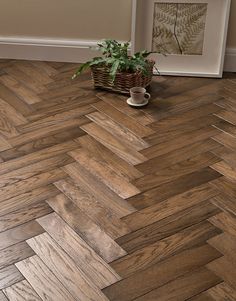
{"x": 106, "y": 196}
{"x": 167, "y": 227}
{"x": 184, "y": 287}
{"x": 105, "y": 218}
{"x": 9, "y": 276}
{"x": 111, "y": 197}
{"x": 103, "y": 244}
{"x": 179, "y": 142}
{"x": 140, "y": 284}
{"x": 176, "y": 156}
{"x": 15, "y": 253}
{"x": 174, "y": 171}
{"x": 43, "y": 281}
{"x": 21, "y": 291}
{"x": 23, "y": 215}
{"x": 37, "y": 156}
{"x": 27, "y": 199}
{"x": 169, "y": 207}
{"x": 27, "y": 95}
{"x": 64, "y": 268}
{"x": 19, "y": 234}
{"x": 222, "y": 292}
{"x": 114, "y": 144}
{"x": 103, "y": 154}
{"x": 105, "y": 174}
{"x": 178, "y": 186}
{"x": 127, "y": 122}
{"x": 82, "y": 254}
{"x": 164, "y": 248}
{"x": 117, "y": 130}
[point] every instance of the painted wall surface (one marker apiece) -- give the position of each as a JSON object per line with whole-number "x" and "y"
{"x": 70, "y": 19}
{"x": 232, "y": 26}
{"x": 75, "y": 19}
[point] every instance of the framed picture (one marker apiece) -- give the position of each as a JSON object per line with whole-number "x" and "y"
{"x": 192, "y": 34}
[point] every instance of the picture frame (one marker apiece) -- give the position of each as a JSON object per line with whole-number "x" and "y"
{"x": 192, "y": 34}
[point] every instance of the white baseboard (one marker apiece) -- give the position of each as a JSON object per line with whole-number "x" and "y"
{"x": 63, "y": 50}
{"x": 230, "y": 60}
{"x": 77, "y": 51}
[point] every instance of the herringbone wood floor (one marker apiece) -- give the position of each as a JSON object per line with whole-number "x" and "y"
{"x": 99, "y": 201}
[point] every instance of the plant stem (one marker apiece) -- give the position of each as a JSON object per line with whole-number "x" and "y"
{"x": 175, "y": 34}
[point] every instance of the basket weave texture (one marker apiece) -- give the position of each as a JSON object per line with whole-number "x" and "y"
{"x": 123, "y": 82}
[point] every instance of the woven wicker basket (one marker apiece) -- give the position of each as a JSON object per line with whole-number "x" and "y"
{"x": 123, "y": 82}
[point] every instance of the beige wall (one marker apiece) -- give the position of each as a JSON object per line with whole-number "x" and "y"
{"x": 72, "y": 19}
{"x": 232, "y": 26}
{"x": 75, "y": 19}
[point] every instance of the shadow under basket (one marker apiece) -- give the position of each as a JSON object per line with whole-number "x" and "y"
{"x": 123, "y": 82}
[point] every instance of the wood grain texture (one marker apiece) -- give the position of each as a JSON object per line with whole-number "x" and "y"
{"x": 82, "y": 254}
{"x": 103, "y": 244}
{"x": 63, "y": 267}
{"x": 110, "y": 197}
{"x": 43, "y": 280}
{"x": 21, "y": 291}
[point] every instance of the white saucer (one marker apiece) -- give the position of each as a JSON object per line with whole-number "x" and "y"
{"x": 138, "y": 105}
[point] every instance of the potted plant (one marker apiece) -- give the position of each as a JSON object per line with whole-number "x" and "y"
{"x": 116, "y": 70}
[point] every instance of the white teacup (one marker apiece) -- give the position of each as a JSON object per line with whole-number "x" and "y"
{"x": 139, "y": 95}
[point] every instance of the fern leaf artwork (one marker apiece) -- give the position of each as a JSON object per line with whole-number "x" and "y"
{"x": 179, "y": 28}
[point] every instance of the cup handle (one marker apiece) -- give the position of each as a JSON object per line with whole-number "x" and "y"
{"x": 147, "y": 96}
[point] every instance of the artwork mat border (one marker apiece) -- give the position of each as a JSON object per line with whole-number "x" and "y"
{"x": 216, "y": 71}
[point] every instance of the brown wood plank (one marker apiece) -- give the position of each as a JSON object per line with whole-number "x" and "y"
{"x": 34, "y": 182}
{"x": 27, "y": 199}
{"x": 175, "y": 120}
{"x": 47, "y": 122}
{"x": 49, "y": 130}
{"x": 14, "y": 101}
{"x": 15, "y": 253}
{"x": 102, "y": 153}
{"x": 82, "y": 254}
{"x": 9, "y": 276}
{"x": 176, "y": 156}
{"x": 19, "y": 234}
{"x": 117, "y": 130}
{"x": 101, "y": 215}
{"x": 225, "y": 222}
{"x": 27, "y": 172}
{"x": 183, "y": 287}
{"x": 169, "y": 207}
{"x": 222, "y": 292}
{"x": 114, "y": 144}
{"x": 105, "y": 246}
{"x": 105, "y": 174}
{"x": 140, "y": 284}
{"x": 167, "y": 227}
{"x": 127, "y": 122}
{"x": 178, "y": 186}
{"x": 106, "y": 196}
{"x": 23, "y": 215}
{"x": 167, "y": 133}
{"x": 64, "y": 268}
{"x": 21, "y": 291}
{"x": 42, "y": 144}
{"x": 37, "y": 156}
{"x": 171, "y": 173}
{"x": 224, "y": 269}
{"x": 43, "y": 281}
{"x": 228, "y": 171}
{"x": 225, "y": 244}
{"x": 27, "y": 95}
{"x": 179, "y": 142}
{"x": 164, "y": 248}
